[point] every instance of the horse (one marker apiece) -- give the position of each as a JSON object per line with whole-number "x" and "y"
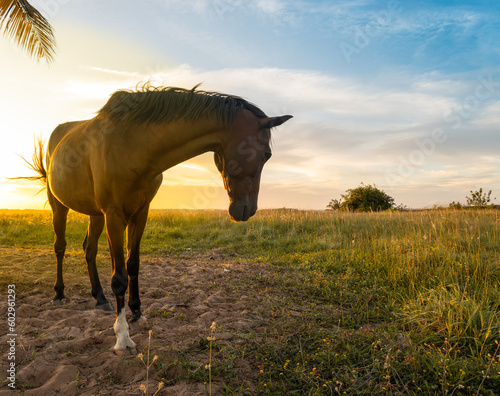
{"x": 110, "y": 168}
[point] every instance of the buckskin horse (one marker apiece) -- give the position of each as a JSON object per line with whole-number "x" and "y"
{"x": 110, "y": 168}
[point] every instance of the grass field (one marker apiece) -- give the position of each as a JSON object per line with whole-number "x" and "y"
{"x": 391, "y": 303}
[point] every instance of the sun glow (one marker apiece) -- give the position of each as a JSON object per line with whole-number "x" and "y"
{"x": 353, "y": 123}
{"x": 22, "y": 195}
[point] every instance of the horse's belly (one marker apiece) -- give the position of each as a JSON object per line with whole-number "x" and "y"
{"x": 72, "y": 186}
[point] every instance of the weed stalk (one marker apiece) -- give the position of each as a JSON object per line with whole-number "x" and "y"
{"x": 211, "y": 339}
{"x": 147, "y": 364}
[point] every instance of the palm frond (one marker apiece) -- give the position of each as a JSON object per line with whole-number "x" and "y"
{"x": 23, "y": 23}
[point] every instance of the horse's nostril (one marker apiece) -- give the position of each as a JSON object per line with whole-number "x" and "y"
{"x": 246, "y": 213}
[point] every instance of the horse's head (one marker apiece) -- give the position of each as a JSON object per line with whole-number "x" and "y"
{"x": 240, "y": 160}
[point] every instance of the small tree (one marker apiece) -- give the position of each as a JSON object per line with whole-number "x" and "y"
{"x": 455, "y": 205}
{"x": 479, "y": 198}
{"x": 335, "y": 204}
{"x": 363, "y": 199}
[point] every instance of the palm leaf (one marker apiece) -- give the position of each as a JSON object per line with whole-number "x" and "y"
{"x": 22, "y": 22}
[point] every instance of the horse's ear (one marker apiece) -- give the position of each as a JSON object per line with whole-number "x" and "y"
{"x": 272, "y": 122}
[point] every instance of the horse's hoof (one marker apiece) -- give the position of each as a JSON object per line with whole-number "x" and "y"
{"x": 139, "y": 319}
{"x": 60, "y": 301}
{"x": 105, "y": 307}
{"x": 125, "y": 352}
{"x": 139, "y": 324}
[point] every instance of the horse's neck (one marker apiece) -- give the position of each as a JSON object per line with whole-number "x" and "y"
{"x": 177, "y": 142}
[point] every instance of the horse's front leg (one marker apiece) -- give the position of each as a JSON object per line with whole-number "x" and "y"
{"x": 134, "y": 235}
{"x": 115, "y": 227}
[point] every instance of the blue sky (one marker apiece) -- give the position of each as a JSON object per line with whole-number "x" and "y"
{"x": 403, "y": 94}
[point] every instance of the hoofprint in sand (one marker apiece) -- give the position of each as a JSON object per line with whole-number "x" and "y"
{"x": 68, "y": 349}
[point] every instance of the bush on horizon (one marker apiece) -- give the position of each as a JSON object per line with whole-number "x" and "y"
{"x": 363, "y": 198}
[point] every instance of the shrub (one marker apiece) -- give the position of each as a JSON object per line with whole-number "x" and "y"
{"x": 363, "y": 199}
{"x": 455, "y": 205}
{"x": 479, "y": 198}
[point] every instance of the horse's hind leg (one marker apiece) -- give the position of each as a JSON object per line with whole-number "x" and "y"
{"x": 59, "y": 217}
{"x": 90, "y": 246}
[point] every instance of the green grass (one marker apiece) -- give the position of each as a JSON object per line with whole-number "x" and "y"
{"x": 395, "y": 302}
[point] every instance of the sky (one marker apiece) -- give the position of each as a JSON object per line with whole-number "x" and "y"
{"x": 401, "y": 94}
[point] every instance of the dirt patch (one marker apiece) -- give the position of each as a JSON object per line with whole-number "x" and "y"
{"x": 67, "y": 349}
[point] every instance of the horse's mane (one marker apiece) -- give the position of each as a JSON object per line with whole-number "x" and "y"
{"x": 149, "y": 104}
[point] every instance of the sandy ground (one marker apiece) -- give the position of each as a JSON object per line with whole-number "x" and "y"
{"x": 67, "y": 349}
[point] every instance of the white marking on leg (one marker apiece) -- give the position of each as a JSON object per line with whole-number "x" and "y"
{"x": 123, "y": 340}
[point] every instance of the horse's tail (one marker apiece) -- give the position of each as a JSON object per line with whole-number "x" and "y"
{"x": 37, "y": 163}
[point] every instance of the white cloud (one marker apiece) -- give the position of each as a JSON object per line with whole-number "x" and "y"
{"x": 434, "y": 21}
{"x": 224, "y": 8}
{"x": 344, "y": 131}
{"x": 270, "y": 6}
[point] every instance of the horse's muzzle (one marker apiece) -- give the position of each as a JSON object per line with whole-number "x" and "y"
{"x": 242, "y": 211}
